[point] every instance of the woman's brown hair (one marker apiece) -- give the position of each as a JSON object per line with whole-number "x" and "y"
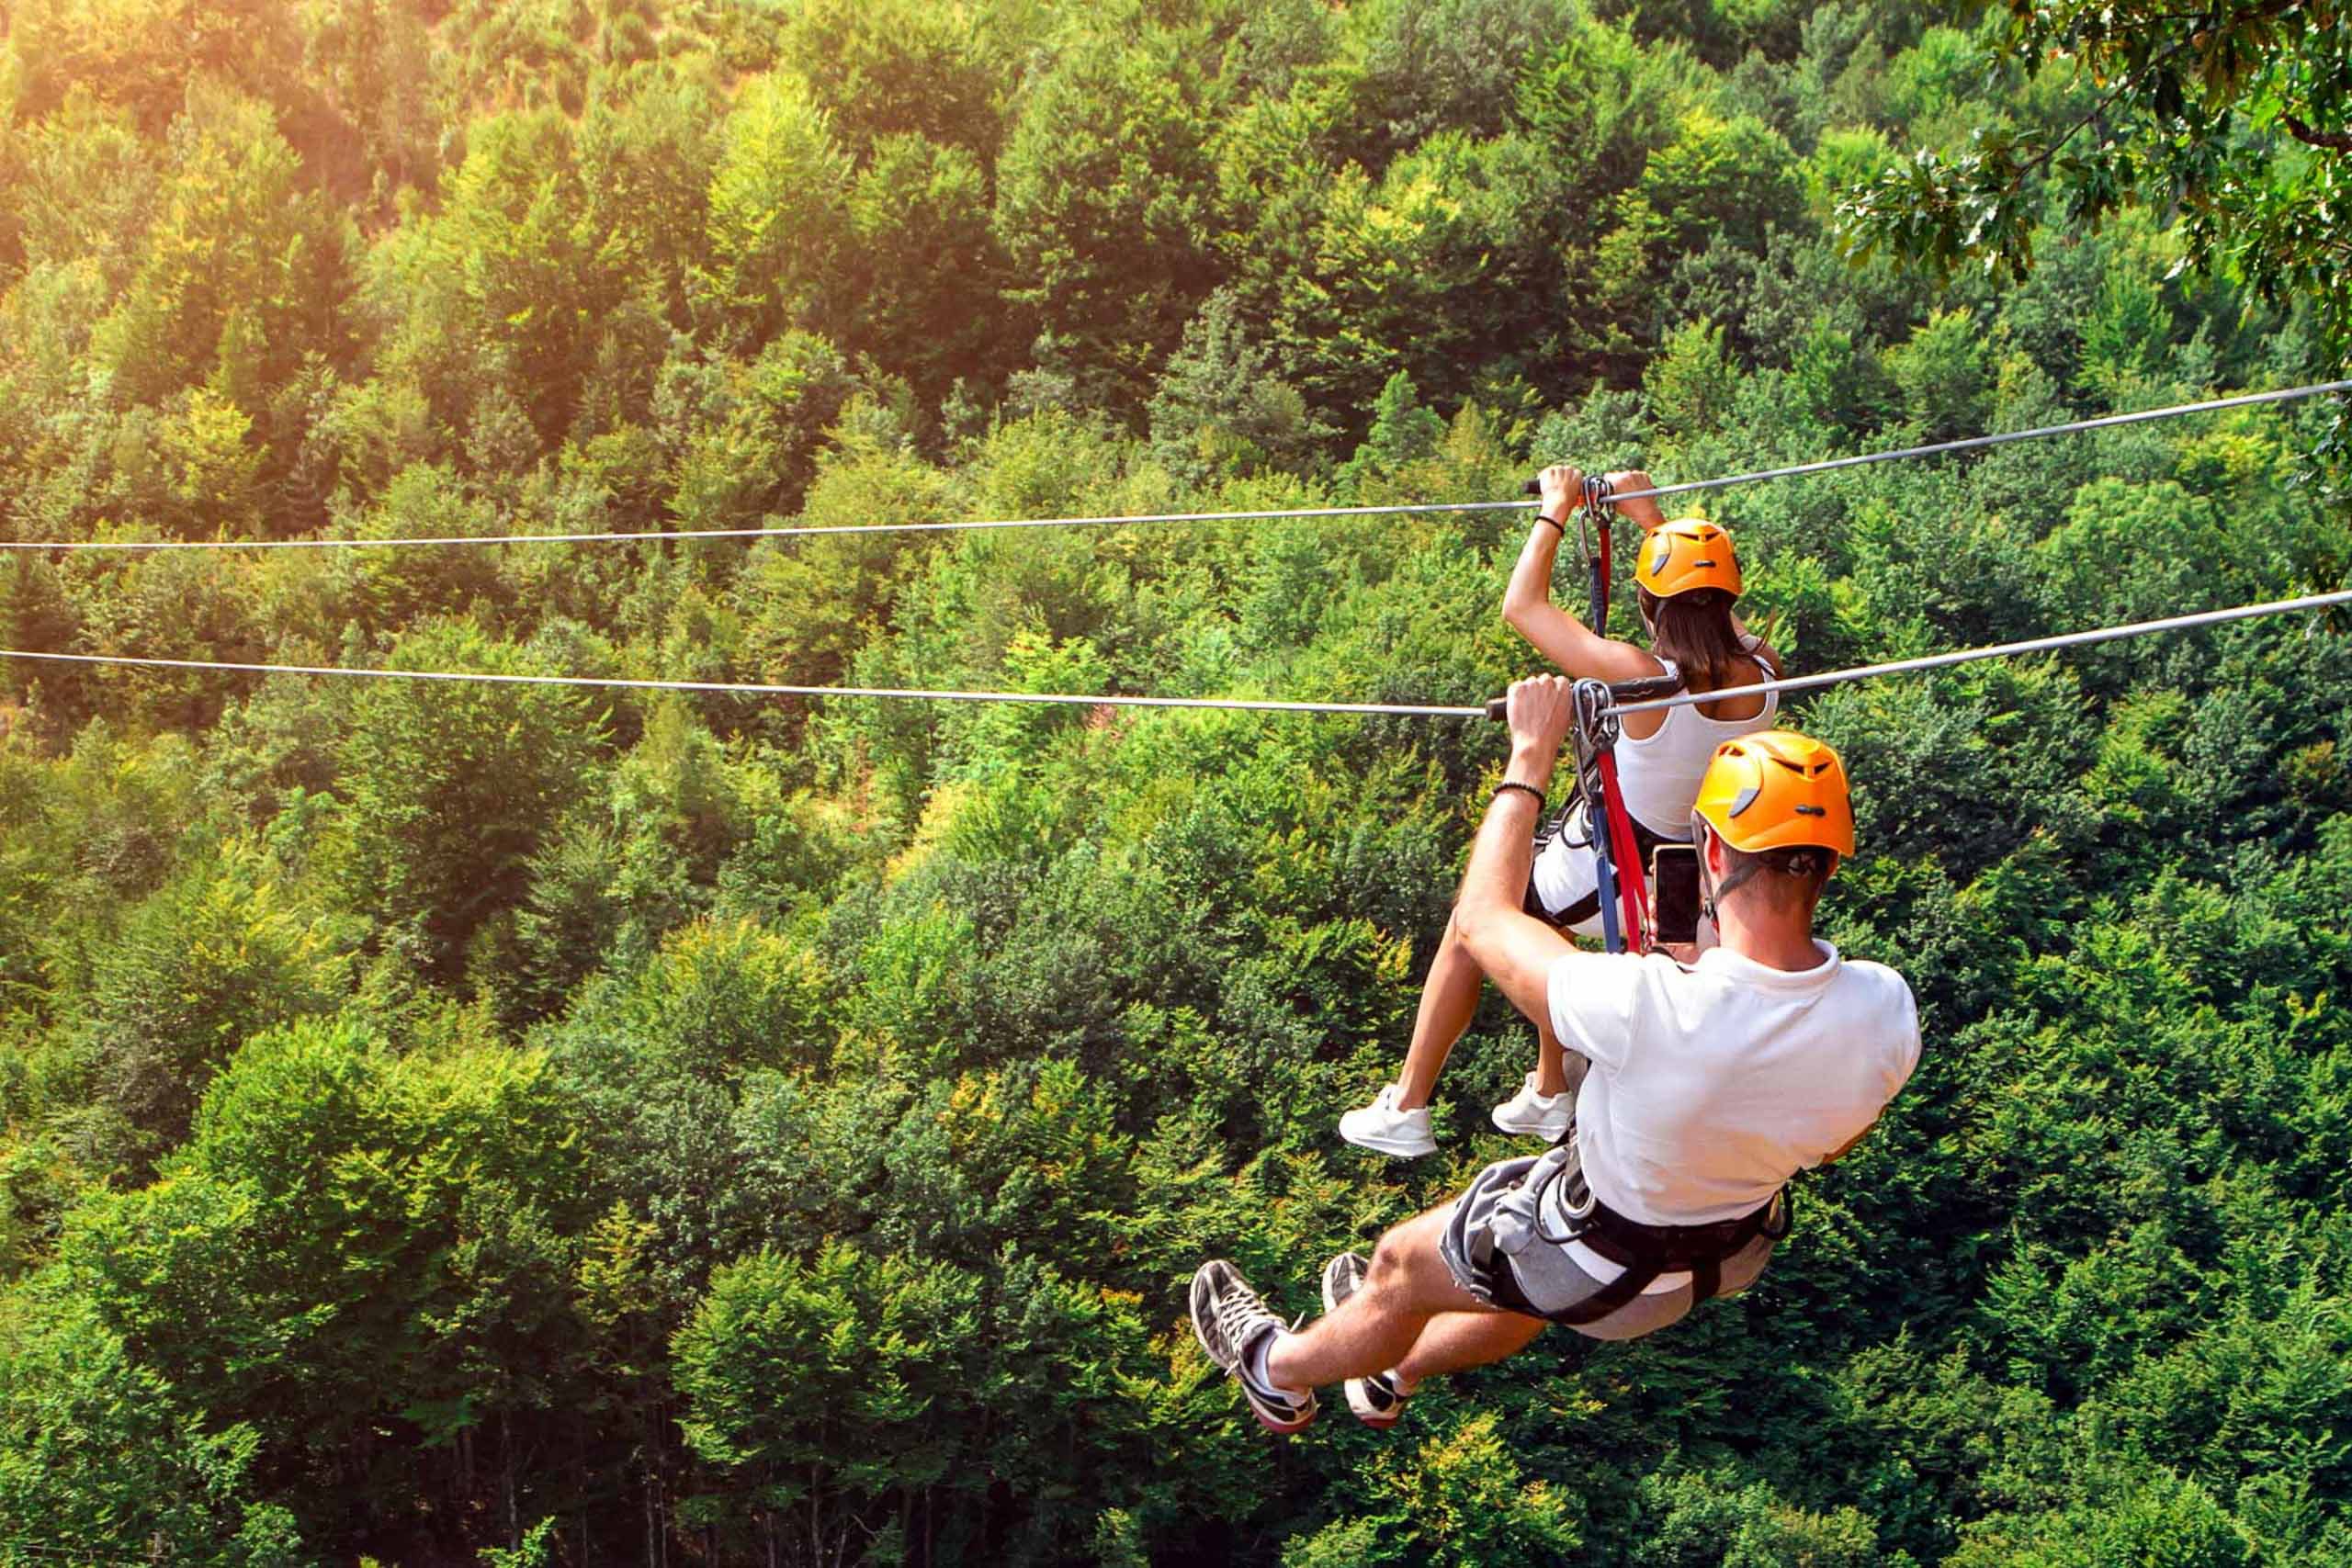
{"x": 1695, "y": 630}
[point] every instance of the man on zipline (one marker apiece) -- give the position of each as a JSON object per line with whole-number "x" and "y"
{"x": 1712, "y": 1083}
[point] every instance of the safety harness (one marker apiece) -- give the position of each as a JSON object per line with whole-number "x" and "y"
{"x": 1566, "y": 1210}
{"x": 1617, "y": 860}
{"x": 1592, "y": 538}
{"x": 1625, "y": 917}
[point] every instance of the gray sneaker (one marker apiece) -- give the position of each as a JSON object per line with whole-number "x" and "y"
{"x": 1228, "y": 1319}
{"x": 1375, "y": 1399}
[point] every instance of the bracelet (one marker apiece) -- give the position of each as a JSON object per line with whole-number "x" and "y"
{"x": 1555, "y": 522}
{"x": 1524, "y": 788}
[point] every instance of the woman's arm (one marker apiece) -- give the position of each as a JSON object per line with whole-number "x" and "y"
{"x": 1558, "y": 636}
{"x": 1642, "y": 513}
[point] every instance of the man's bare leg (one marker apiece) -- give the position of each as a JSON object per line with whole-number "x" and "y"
{"x": 1452, "y": 1341}
{"x": 1449, "y": 1000}
{"x": 1407, "y": 1285}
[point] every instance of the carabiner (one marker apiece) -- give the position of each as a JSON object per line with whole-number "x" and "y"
{"x": 1592, "y": 524}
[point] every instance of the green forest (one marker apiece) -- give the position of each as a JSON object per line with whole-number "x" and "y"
{"x": 528, "y": 1125}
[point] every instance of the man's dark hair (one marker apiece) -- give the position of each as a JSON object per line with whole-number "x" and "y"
{"x": 1695, "y": 630}
{"x": 1787, "y": 876}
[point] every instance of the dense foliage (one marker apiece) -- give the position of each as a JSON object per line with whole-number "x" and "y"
{"x": 2234, "y": 113}
{"x": 441, "y": 1121}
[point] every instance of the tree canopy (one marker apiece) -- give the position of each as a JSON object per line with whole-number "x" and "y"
{"x": 513, "y": 1125}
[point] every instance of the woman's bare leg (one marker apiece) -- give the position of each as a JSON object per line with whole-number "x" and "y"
{"x": 1557, "y": 1070}
{"x": 1448, "y": 998}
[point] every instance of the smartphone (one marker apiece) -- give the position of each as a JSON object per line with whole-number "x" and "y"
{"x": 1674, "y": 893}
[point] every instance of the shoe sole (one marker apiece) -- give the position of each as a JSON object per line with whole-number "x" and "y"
{"x": 1394, "y": 1148}
{"x": 1544, "y": 1127}
{"x": 1279, "y": 1425}
{"x": 1280, "y": 1428}
{"x": 1360, "y": 1403}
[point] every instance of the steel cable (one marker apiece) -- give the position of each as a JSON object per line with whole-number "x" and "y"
{"x": 1758, "y": 476}
{"x": 1258, "y": 704}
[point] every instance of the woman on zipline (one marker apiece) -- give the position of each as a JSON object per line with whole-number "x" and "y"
{"x": 1686, "y": 581}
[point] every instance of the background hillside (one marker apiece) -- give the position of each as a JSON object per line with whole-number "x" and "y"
{"x": 499, "y": 1120}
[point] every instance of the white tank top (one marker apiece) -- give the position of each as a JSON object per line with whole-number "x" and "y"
{"x": 1659, "y": 776}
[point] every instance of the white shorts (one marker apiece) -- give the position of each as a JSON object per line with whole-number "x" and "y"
{"x": 1566, "y": 876}
{"x": 1564, "y": 885}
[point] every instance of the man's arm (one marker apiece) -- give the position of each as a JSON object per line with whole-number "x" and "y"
{"x": 1516, "y": 950}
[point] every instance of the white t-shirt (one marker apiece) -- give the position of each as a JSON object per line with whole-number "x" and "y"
{"x": 1713, "y": 1084}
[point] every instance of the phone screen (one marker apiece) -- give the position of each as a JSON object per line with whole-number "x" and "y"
{"x": 1674, "y": 892}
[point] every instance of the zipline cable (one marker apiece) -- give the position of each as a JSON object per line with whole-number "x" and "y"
{"x": 1064, "y": 699}
{"x": 1071, "y": 699}
{"x": 1996, "y": 650}
{"x": 1970, "y": 443}
{"x": 785, "y": 532}
{"x": 1757, "y": 476}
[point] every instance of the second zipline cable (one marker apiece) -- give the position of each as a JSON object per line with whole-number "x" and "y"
{"x": 1075, "y": 699}
{"x": 1061, "y": 699}
{"x": 1756, "y": 476}
{"x": 2000, "y": 651}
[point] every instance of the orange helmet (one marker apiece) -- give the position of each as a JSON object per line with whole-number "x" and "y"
{"x": 1777, "y": 790}
{"x": 1685, "y": 554}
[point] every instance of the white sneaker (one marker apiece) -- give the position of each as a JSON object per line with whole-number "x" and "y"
{"x": 1537, "y": 1115}
{"x": 1381, "y": 1126}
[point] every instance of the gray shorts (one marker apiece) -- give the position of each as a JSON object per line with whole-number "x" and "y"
{"x": 1504, "y": 1222}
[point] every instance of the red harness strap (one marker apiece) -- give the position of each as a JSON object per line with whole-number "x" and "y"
{"x": 1633, "y": 882}
{"x": 1596, "y": 521}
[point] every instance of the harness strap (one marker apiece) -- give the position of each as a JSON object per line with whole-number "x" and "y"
{"x": 1644, "y": 1252}
{"x": 1625, "y": 849}
{"x": 1604, "y": 875}
{"x": 1595, "y": 520}
{"x": 1706, "y": 1280}
{"x": 1608, "y": 1299}
{"x": 1594, "y": 734}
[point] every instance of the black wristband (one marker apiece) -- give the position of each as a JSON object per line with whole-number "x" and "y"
{"x": 1541, "y": 803}
{"x": 1555, "y": 522}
